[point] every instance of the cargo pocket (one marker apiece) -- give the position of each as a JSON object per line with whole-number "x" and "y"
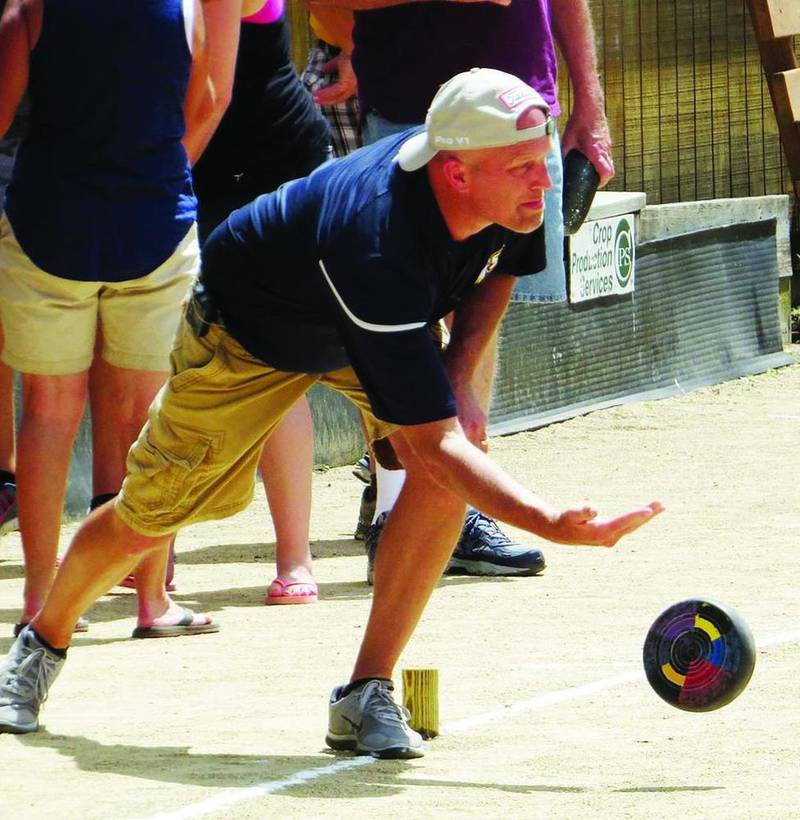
{"x": 171, "y": 472}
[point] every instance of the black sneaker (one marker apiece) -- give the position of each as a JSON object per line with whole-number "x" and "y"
{"x": 8, "y": 508}
{"x": 366, "y": 512}
{"x": 371, "y": 545}
{"x": 484, "y": 549}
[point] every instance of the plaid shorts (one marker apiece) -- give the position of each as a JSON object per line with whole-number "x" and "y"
{"x": 344, "y": 118}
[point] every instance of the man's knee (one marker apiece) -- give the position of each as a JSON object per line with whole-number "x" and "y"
{"x": 55, "y": 399}
{"x": 128, "y": 392}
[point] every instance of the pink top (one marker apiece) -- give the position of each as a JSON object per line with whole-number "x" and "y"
{"x": 271, "y": 11}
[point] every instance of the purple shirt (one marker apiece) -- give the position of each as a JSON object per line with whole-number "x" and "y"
{"x": 404, "y": 53}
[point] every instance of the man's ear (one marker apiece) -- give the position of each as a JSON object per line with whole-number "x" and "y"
{"x": 456, "y": 173}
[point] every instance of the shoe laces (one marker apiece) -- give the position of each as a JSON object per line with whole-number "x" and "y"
{"x": 481, "y": 527}
{"x": 30, "y": 681}
{"x": 382, "y": 704}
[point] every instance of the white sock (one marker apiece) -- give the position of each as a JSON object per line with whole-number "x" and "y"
{"x": 390, "y": 482}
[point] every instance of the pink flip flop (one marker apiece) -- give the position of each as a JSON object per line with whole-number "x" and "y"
{"x": 291, "y": 592}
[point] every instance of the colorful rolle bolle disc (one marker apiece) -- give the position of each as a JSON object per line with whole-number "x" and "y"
{"x": 699, "y": 655}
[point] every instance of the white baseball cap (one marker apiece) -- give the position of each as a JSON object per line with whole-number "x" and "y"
{"x": 479, "y": 108}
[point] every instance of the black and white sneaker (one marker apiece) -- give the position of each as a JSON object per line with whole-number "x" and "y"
{"x": 371, "y": 545}
{"x": 361, "y": 469}
{"x": 369, "y": 722}
{"x": 366, "y": 511}
{"x": 484, "y": 549}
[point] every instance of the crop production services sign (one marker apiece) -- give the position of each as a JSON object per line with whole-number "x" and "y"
{"x": 601, "y": 259}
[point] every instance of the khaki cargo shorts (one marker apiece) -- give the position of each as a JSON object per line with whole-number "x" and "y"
{"x": 50, "y": 323}
{"x": 196, "y": 457}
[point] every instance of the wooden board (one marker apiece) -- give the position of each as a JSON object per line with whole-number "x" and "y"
{"x": 784, "y": 16}
{"x": 787, "y": 95}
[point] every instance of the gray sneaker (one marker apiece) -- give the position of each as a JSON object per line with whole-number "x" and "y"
{"x": 369, "y": 722}
{"x": 25, "y": 678}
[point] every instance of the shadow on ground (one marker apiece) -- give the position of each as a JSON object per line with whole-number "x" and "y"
{"x": 178, "y": 765}
{"x": 119, "y": 605}
{"x": 260, "y": 552}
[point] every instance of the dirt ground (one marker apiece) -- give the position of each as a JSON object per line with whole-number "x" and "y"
{"x": 544, "y": 709}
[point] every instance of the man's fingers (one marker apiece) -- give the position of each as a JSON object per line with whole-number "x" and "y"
{"x": 598, "y": 152}
{"x": 630, "y": 521}
{"x": 604, "y": 166}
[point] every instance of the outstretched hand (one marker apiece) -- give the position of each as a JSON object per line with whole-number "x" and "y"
{"x": 580, "y": 525}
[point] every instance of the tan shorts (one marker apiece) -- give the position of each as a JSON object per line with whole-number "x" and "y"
{"x": 50, "y": 323}
{"x": 196, "y": 457}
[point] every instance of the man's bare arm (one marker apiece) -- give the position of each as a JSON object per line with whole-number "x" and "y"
{"x": 336, "y": 20}
{"x": 587, "y": 129}
{"x": 221, "y": 19}
{"x": 19, "y": 31}
{"x": 471, "y": 356}
{"x": 198, "y": 106}
{"x": 465, "y": 470}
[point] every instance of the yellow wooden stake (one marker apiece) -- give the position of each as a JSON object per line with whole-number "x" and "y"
{"x": 421, "y": 698}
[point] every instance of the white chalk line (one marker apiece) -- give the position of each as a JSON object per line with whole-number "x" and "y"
{"x": 231, "y": 797}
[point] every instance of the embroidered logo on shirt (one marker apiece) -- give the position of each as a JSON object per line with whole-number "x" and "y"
{"x": 490, "y": 265}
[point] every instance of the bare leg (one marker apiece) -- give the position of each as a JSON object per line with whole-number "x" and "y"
{"x": 416, "y": 544}
{"x": 120, "y": 399}
{"x": 286, "y": 464}
{"x": 8, "y": 450}
{"x": 103, "y": 550}
{"x": 52, "y": 410}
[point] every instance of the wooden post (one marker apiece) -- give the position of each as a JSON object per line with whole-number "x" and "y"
{"x": 421, "y": 698}
{"x": 774, "y": 23}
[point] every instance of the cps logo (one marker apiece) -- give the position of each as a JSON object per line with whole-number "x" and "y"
{"x": 623, "y": 252}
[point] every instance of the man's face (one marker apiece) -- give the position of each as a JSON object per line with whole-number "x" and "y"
{"x": 506, "y": 185}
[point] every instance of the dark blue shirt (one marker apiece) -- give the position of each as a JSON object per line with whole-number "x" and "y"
{"x": 101, "y": 189}
{"x": 350, "y": 266}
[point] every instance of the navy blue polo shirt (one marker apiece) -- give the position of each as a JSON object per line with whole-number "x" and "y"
{"x": 350, "y": 266}
{"x": 101, "y": 189}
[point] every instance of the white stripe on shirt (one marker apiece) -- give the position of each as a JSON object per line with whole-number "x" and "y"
{"x": 360, "y": 322}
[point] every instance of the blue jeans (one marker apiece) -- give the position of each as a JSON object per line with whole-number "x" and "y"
{"x": 551, "y": 284}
